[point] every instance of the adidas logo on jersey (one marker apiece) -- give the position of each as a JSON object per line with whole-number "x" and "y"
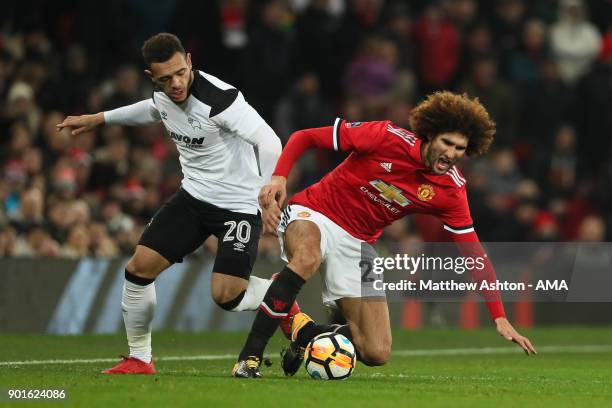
{"x": 386, "y": 166}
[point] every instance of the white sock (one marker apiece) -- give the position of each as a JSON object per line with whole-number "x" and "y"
{"x": 138, "y": 306}
{"x": 255, "y": 292}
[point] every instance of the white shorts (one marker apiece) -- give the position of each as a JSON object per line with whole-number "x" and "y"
{"x": 344, "y": 274}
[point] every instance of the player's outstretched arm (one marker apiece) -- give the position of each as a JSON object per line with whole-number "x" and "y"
{"x": 137, "y": 114}
{"x": 81, "y": 124}
{"x": 505, "y": 329}
{"x": 469, "y": 246}
{"x": 298, "y": 143}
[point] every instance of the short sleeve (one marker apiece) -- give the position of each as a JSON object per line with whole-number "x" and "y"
{"x": 360, "y": 137}
{"x": 456, "y": 216}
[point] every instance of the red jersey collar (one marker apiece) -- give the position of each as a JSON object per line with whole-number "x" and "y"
{"x": 415, "y": 154}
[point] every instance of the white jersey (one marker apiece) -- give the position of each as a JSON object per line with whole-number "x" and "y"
{"x": 215, "y": 131}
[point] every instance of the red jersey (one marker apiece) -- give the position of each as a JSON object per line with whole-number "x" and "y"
{"x": 382, "y": 180}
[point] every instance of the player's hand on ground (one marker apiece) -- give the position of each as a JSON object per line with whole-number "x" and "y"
{"x": 505, "y": 329}
{"x": 271, "y": 218}
{"x": 81, "y": 124}
{"x": 275, "y": 192}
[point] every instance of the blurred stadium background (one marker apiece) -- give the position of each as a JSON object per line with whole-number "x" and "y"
{"x": 73, "y": 208}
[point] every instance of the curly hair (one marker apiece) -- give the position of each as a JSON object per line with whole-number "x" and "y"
{"x": 447, "y": 112}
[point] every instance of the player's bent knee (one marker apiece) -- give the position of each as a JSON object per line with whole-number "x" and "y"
{"x": 227, "y": 290}
{"x": 375, "y": 352}
{"x": 228, "y": 297}
{"x": 305, "y": 262}
{"x": 302, "y": 244}
{"x": 142, "y": 269}
{"x": 146, "y": 263}
{"x": 375, "y": 356}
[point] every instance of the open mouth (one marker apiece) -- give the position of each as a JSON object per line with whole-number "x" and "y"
{"x": 443, "y": 164}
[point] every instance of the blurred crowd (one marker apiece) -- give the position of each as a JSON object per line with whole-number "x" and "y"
{"x": 542, "y": 68}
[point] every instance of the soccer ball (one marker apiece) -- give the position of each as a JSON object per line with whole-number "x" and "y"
{"x": 330, "y": 356}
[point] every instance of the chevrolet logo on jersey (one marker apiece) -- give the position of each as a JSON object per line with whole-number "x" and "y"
{"x": 390, "y": 193}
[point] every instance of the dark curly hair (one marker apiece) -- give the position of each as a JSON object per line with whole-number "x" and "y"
{"x": 447, "y": 112}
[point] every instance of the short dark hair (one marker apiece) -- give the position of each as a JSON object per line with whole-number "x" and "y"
{"x": 446, "y": 112}
{"x": 160, "y": 48}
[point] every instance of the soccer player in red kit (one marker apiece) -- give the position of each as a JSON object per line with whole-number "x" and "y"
{"x": 390, "y": 173}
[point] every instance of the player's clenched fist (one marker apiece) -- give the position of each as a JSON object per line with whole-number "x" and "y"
{"x": 81, "y": 124}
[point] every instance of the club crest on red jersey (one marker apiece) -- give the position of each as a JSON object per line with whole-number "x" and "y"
{"x": 425, "y": 192}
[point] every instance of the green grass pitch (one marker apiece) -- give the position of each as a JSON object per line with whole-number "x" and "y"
{"x": 432, "y": 368}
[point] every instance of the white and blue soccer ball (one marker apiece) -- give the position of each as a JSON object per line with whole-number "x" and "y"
{"x": 330, "y": 356}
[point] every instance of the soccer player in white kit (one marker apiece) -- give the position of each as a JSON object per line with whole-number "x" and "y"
{"x": 215, "y": 131}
